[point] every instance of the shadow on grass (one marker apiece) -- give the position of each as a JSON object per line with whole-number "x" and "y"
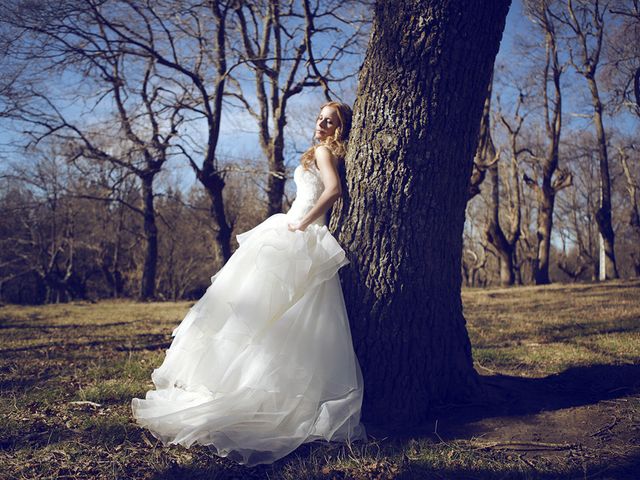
{"x": 506, "y": 395}
{"x": 573, "y": 331}
{"x": 625, "y": 469}
{"x": 5, "y": 323}
{"x": 576, "y": 386}
{"x": 215, "y": 472}
{"x": 147, "y": 341}
{"x": 300, "y": 465}
{"x": 510, "y": 396}
{"x": 567, "y": 333}
{"x": 42, "y": 437}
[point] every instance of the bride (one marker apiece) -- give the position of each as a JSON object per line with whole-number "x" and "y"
{"x": 264, "y": 361}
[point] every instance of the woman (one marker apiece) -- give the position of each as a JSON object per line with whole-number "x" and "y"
{"x": 264, "y": 361}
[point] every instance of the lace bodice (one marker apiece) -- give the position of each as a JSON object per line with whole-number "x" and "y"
{"x": 309, "y": 187}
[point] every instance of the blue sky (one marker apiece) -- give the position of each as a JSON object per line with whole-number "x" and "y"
{"x": 239, "y": 140}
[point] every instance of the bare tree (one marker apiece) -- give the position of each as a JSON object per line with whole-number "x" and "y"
{"x": 548, "y": 178}
{"x": 577, "y": 207}
{"x": 281, "y": 46}
{"x": 473, "y": 265}
{"x": 586, "y": 19}
{"x": 633, "y": 190}
{"x": 622, "y": 72}
{"x": 146, "y": 117}
{"x": 502, "y": 240}
{"x": 45, "y": 239}
{"x": 187, "y": 41}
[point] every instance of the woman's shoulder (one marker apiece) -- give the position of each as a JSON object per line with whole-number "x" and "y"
{"x": 324, "y": 154}
{"x": 322, "y": 149}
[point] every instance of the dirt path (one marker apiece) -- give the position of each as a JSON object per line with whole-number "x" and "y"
{"x": 585, "y": 418}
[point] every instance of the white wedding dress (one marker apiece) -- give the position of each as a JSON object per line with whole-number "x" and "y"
{"x": 264, "y": 361}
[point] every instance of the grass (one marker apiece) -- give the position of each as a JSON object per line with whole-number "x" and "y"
{"x": 535, "y": 331}
{"x": 68, "y": 373}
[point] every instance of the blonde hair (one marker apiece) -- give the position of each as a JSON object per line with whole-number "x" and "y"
{"x": 338, "y": 142}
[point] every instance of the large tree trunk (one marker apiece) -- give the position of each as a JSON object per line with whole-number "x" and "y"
{"x": 415, "y": 132}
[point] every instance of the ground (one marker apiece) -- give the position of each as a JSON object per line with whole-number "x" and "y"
{"x": 560, "y": 368}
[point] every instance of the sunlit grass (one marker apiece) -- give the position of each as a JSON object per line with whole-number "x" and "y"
{"x": 544, "y": 330}
{"x": 68, "y": 373}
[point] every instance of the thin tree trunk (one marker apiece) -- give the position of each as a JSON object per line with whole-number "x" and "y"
{"x": 401, "y": 217}
{"x": 277, "y": 177}
{"x": 148, "y": 286}
{"x": 547, "y": 189}
{"x": 545, "y": 224}
{"x": 634, "y": 210}
{"x": 214, "y": 186}
{"x": 503, "y": 242}
{"x": 495, "y": 234}
{"x": 603, "y": 215}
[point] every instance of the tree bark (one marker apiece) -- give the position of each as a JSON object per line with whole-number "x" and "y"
{"x": 495, "y": 234}
{"x": 603, "y": 215}
{"x": 148, "y": 285}
{"x": 415, "y": 132}
{"x": 214, "y": 184}
{"x": 546, "y": 203}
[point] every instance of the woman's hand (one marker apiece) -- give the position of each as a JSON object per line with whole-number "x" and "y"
{"x": 297, "y": 226}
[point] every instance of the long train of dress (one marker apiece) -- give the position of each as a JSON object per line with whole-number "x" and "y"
{"x": 264, "y": 361}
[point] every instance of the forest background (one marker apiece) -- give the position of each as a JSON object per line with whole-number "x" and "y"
{"x": 138, "y": 138}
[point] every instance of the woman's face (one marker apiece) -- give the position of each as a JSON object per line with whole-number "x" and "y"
{"x": 327, "y": 123}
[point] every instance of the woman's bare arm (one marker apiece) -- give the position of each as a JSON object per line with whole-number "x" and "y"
{"x": 328, "y": 166}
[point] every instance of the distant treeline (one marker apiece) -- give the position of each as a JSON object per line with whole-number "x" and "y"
{"x": 63, "y": 237}
{"x": 104, "y": 103}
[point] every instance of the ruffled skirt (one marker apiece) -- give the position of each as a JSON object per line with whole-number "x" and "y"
{"x": 264, "y": 361}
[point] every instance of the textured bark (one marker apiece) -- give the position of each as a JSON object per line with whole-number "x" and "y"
{"x": 415, "y": 133}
